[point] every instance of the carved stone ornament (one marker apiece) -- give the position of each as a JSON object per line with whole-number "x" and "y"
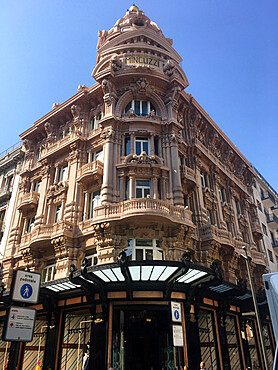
{"x": 75, "y": 111}
{"x": 142, "y": 85}
{"x": 143, "y": 158}
{"x": 108, "y": 133}
{"x": 49, "y": 128}
{"x": 169, "y": 68}
{"x": 28, "y": 145}
{"x": 115, "y": 62}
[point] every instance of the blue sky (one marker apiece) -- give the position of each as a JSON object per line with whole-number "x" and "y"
{"x": 229, "y": 50}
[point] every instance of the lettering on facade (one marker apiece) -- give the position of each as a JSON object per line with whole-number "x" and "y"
{"x": 141, "y": 60}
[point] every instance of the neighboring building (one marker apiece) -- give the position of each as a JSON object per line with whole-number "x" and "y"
{"x": 10, "y": 166}
{"x": 267, "y": 204}
{"x": 134, "y": 175}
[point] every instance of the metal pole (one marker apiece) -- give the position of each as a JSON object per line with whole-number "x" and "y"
{"x": 13, "y": 357}
{"x": 255, "y": 306}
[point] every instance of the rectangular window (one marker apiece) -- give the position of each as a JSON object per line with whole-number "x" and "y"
{"x": 238, "y": 209}
{"x": 37, "y": 186}
{"x": 63, "y": 173}
{"x": 30, "y": 224}
{"x": 127, "y": 145}
{"x": 141, "y": 145}
{"x": 145, "y": 250}
{"x": 144, "y": 108}
{"x": 93, "y": 260}
{"x": 48, "y": 273}
{"x": 204, "y": 180}
{"x": 270, "y": 256}
{"x": 264, "y": 229}
{"x": 156, "y": 145}
{"x": 58, "y": 213}
{"x": 98, "y": 155}
{"x": 143, "y": 188}
{"x": 94, "y": 201}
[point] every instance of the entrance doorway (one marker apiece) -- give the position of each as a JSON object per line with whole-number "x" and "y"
{"x": 142, "y": 339}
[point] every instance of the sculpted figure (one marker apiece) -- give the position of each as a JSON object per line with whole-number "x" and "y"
{"x": 116, "y": 62}
{"x": 169, "y": 67}
{"x": 48, "y": 128}
{"x": 75, "y": 111}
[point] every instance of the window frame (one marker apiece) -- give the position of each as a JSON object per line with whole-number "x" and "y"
{"x": 132, "y": 104}
{"x": 143, "y": 188}
{"x": 58, "y": 213}
{"x": 63, "y": 173}
{"x": 142, "y": 140}
{"x": 45, "y": 273}
{"x": 30, "y": 224}
{"x": 156, "y": 249}
{"x": 94, "y": 197}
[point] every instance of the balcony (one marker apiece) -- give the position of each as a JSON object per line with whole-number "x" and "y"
{"x": 42, "y": 233}
{"x": 5, "y": 192}
{"x": 272, "y": 220}
{"x": 188, "y": 174}
{"x": 258, "y": 257}
{"x": 209, "y": 232}
{"x": 256, "y": 230}
{"x": 143, "y": 207}
{"x": 28, "y": 202}
{"x": 267, "y": 199}
{"x": 90, "y": 173}
{"x": 274, "y": 210}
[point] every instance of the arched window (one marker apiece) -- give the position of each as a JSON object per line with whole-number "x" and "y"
{"x": 140, "y": 107}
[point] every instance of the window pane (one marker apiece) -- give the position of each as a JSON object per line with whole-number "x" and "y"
{"x": 142, "y": 183}
{"x": 146, "y": 192}
{"x": 137, "y": 107}
{"x": 144, "y": 242}
{"x": 153, "y": 108}
{"x": 138, "y": 147}
{"x": 139, "y": 193}
{"x": 127, "y": 145}
{"x": 159, "y": 255}
{"x": 146, "y": 147}
{"x": 127, "y": 108}
{"x": 139, "y": 254}
{"x": 149, "y": 254}
{"x": 144, "y": 108}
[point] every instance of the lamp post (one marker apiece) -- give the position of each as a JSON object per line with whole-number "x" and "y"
{"x": 255, "y": 306}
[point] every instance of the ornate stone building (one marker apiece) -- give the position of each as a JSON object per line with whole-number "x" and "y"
{"x": 134, "y": 164}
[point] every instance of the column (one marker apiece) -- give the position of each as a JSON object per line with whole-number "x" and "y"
{"x": 41, "y": 210}
{"x": 122, "y": 187}
{"x": 201, "y": 212}
{"x": 85, "y": 212}
{"x": 70, "y": 209}
{"x": 132, "y": 192}
{"x": 175, "y": 171}
{"x": 107, "y": 185}
{"x": 152, "y": 145}
{"x": 132, "y": 137}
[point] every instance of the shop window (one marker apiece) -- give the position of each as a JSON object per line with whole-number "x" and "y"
{"x": 58, "y": 213}
{"x": 249, "y": 336}
{"x": 4, "y": 348}
{"x": 94, "y": 201}
{"x": 48, "y": 273}
{"x": 63, "y": 173}
{"x": 143, "y": 188}
{"x": 30, "y": 224}
{"x": 145, "y": 250}
{"x": 94, "y": 122}
{"x": 268, "y": 345}
{"x": 140, "y": 107}
{"x": 141, "y": 145}
{"x": 37, "y": 186}
{"x": 76, "y": 338}
{"x": 207, "y": 339}
{"x": 34, "y": 351}
{"x": 232, "y": 342}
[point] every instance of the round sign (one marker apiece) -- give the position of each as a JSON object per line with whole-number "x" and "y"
{"x": 26, "y": 291}
{"x": 176, "y": 314}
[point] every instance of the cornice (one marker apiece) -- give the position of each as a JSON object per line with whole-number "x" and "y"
{"x": 191, "y": 100}
{"x": 60, "y": 108}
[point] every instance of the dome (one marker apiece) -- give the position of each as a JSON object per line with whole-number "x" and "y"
{"x": 134, "y": 8}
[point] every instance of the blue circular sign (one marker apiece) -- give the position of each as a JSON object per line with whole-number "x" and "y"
{"x": 26, "y": 291}
{"x": 176, "y": 314}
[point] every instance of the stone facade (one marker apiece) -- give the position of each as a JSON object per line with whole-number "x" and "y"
{"x": 133, "y": 156}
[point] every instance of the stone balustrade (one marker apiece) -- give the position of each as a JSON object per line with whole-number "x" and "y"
{"x": 208, "y": 232}
{"x": 143, "y": 206}
{"x": 187, "y": 173}
{"x": 90, "y": 172}
{"x": 28, "y": 201}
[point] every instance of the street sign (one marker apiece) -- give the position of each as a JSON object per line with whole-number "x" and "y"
{"x": 176, "y": 312}
{"x": 25, "y": 286}
{"x": 19, "y": 324}
{"x": 177, "y": 335}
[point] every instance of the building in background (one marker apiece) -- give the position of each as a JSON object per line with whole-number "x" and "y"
{"x": 267, "y": 204}
{"x": 132, "y": 198}
{"x": 11, "y": 161}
